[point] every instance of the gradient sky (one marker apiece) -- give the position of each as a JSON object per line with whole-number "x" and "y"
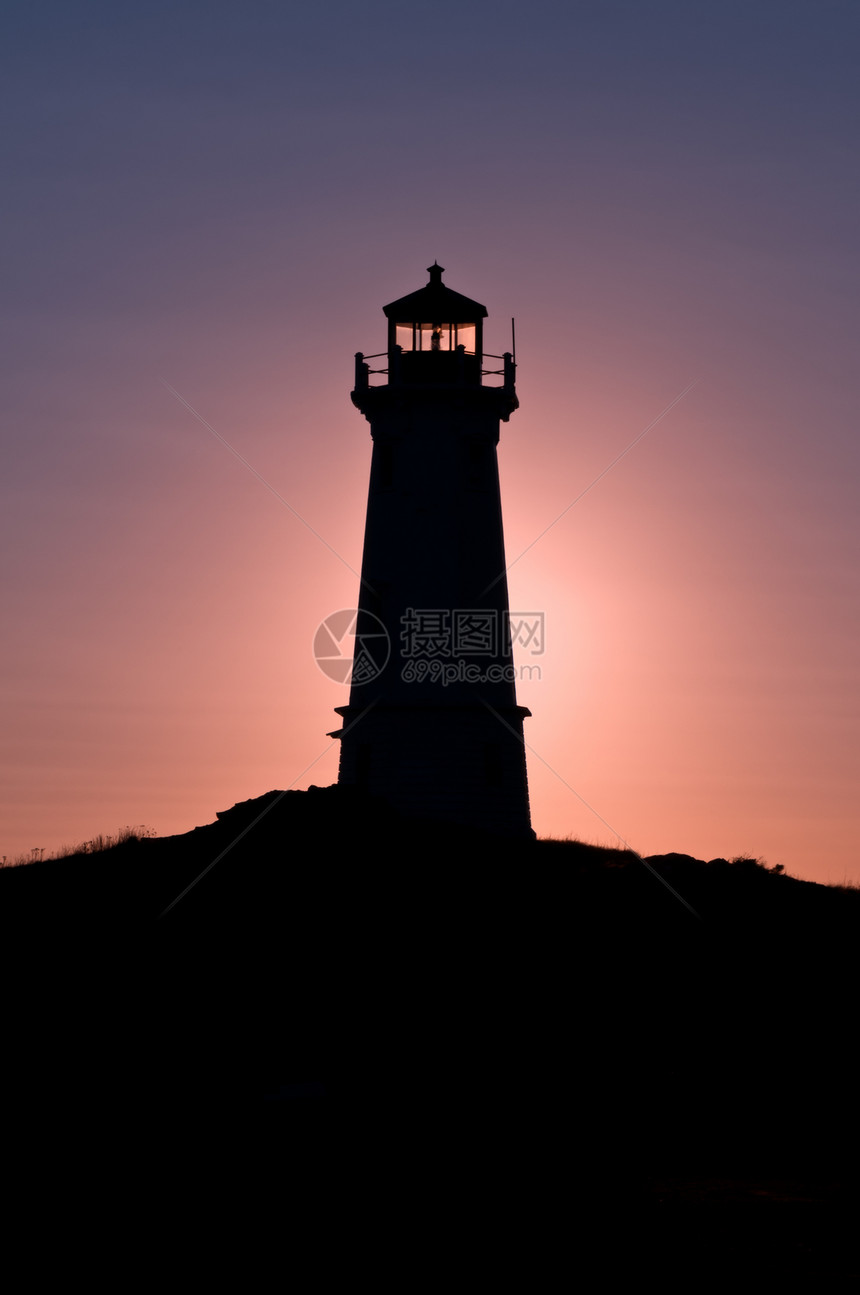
{"x": 221, "y": 197}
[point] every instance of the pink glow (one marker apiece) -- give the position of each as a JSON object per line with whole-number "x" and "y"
{"x": 700, "y": 681}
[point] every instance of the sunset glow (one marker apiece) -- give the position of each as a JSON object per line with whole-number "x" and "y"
{"x": 665, "y": 201}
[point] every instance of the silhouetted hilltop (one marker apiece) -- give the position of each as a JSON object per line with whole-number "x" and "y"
{"x": 298, "y": 837}
{"x": 635, "y": 1017}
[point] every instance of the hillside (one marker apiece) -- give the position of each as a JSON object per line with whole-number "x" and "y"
{"x": 653, "y": 1022}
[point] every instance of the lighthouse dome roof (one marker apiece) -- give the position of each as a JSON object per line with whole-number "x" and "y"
{"x": 435, "y": 303}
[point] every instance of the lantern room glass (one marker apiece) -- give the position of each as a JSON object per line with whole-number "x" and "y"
{"x": 436, "y": 337}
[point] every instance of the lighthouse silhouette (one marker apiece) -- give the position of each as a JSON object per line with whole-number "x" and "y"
{"x": 432, "y": 725}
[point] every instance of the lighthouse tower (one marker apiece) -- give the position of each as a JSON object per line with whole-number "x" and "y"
{"x": 433, "y": 724}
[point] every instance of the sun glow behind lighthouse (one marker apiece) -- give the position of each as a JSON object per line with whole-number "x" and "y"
{"x": 199, "y": 216}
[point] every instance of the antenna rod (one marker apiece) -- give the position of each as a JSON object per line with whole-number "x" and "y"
{"x": 513, "y": 342}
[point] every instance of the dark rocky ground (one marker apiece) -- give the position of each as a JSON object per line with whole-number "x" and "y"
{"x": 533, "y": 1046}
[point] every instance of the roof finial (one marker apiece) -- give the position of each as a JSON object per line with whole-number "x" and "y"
{"x": 435, "y": 271}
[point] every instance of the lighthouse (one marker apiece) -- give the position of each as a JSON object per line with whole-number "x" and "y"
{"x": 432, "y": 725}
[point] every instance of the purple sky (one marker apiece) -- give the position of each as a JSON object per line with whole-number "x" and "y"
{"x": 222, "y": 197}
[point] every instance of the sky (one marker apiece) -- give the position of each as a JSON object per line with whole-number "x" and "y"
{"x": 205, "y": 207}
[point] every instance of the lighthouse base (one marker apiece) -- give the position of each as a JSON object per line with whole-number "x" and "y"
{"x": 463, "y": 765}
